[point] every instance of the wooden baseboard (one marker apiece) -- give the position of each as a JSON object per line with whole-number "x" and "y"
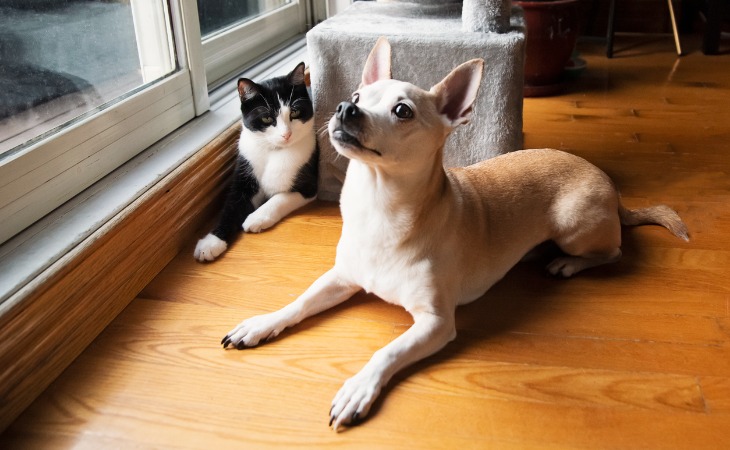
{"x": 64, "y": 310}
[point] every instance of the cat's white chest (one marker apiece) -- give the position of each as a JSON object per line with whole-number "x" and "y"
{"x": 275, "y": 168}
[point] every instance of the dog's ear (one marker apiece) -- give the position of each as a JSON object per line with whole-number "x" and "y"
{"x": 377, "y": 67}
{"x": 456, "y": 93}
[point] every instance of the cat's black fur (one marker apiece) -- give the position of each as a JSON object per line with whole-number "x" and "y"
{"x": 262, "y": 100}
{"x": 261, "y": 106}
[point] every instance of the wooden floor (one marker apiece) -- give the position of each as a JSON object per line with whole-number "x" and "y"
{"x": 633, "y": 355}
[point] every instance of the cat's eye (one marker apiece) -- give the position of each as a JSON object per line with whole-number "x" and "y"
{"x": 355, "y": 97}
{"x": 295, "y": 113}
{"x": 403, "y": 111}
{"x": 268, "y": 120}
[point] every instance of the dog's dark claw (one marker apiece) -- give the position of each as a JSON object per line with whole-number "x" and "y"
{"x": 240, "y": 345}
{"x": 332, "y": 419}
{"x": 355, "y": 418}
{"x": 226, "y": 342}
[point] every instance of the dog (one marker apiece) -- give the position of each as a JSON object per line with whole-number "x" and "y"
{"x": 430, "y": 239}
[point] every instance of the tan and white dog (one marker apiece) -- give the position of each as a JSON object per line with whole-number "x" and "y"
{"x": 429, "y": 239}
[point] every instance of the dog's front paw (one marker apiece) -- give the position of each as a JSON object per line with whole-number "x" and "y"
{"x": 257, "y": 222}
{"x": 251, "y": 332}
{"x": 352, "y": 403}
{"x": 209, "y": 248}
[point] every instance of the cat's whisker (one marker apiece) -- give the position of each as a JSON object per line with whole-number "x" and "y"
{"x": 267, "y": 102}
{"x": 291, "y": 94}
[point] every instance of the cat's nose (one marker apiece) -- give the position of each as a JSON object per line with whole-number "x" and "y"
{"x": 286, "y": 135}
{"x": 347, "y": 110}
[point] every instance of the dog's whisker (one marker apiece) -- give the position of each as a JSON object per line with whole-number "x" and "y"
{"x": 323, "y": 130}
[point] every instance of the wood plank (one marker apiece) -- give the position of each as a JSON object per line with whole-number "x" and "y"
{"x": 289, "y": 411}
{"x": 138, "y": 377}
{"x": 716, "y": 391}
{"x": 150, "y": 319}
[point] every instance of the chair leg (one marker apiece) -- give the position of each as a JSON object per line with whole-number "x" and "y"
{"x": 609, "y": 34}
{"x": 711, "y": 39}
{"x": 674, "y": 28}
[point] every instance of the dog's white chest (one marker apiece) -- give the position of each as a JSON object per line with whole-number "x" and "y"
{"x": 370, "y": 253}
{"x": 390, "y": 275}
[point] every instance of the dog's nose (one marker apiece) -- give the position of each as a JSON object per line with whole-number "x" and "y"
{"x": 347, "y": 110}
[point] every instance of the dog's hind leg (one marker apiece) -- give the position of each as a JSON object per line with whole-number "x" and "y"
{"x": 588, "y": 245}
{"x": 568, "y": 266}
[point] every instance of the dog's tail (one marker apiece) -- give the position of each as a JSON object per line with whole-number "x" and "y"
{"x": 658, "y": 215}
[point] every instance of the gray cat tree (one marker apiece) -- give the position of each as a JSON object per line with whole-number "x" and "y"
{"x": 428, "y": 38}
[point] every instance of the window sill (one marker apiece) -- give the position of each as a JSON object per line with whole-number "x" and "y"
{"x": 65, "y": 278}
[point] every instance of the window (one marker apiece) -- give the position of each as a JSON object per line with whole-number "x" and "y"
{"x": 243, "y": 30}
{"x": 85, "y": 85}
{"x": 65, "y": 60}
{"x": 218, "y": 15}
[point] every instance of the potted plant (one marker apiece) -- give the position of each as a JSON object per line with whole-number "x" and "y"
{"x": 552, "y": 30}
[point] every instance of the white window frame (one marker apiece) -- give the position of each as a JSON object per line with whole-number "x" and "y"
{"x": 38, "y": 248}
{"x": 45, "y": 175}
{"x": 224, "y": 53}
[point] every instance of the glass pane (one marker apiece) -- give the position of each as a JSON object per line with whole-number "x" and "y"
{"x": 217, "y": 15}
{"x": 61, "y": 59}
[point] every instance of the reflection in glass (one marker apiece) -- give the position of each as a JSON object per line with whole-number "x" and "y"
{"x": 61, "y": 59}
{"x": 218, "y": 15}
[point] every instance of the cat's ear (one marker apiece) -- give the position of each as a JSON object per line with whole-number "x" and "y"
{"x": 247, "y": 89}
{"x": 377, "y": 67}
{"x": 296, "y": 77}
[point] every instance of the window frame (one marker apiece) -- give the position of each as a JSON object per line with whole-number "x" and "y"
{"x": 41, "y": 177}
{"x": 224, "y": 51}
{"x": 44, "y": 175}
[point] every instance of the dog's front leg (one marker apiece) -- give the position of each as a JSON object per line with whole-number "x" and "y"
{"x": 429, "y": 333}
{"x": 327, "y": 291}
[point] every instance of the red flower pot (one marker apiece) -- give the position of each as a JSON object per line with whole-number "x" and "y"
{"x": 552, "y": 29}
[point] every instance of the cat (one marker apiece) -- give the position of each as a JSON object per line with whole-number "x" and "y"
{"x": 277, "y": 164}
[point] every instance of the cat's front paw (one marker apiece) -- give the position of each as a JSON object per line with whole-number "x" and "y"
{"x": 209, "y": 248}
{"x": 257, "y": 222}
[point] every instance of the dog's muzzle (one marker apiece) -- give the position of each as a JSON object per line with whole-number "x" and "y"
{"x": 348, "y": 115}
{"x": 347, "y": 111}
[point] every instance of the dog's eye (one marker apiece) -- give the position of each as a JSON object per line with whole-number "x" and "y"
{"x": 355, "y": 97}
{"x": 403, "y": 111}
{"x": 295, "y": 113}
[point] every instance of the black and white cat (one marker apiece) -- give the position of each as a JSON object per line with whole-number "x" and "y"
{"x": 276, "y": 167}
